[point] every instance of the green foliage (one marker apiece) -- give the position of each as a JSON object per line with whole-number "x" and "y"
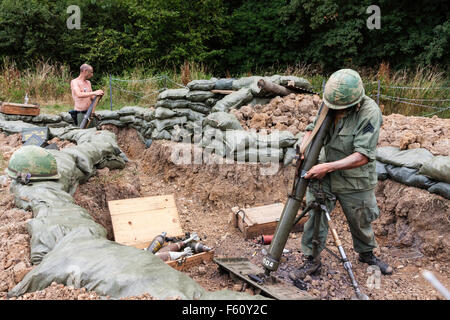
{"x": 238, "y": 35}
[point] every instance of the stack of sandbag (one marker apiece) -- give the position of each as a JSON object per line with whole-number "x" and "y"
{"x": 43, "y": 120}
{"x": 179, "y": 111}
{"x": 415, "y": 167}
{"x": 252, "y": 83}
{"x": 223, "y": 135}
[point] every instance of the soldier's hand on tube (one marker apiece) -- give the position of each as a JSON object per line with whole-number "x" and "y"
{"x": 318, "y": 171}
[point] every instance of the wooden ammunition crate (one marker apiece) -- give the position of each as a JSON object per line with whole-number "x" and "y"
{"x": 20, "y": 109}
{"x": 261, "y": 220}
{"x": 189, "y": 262}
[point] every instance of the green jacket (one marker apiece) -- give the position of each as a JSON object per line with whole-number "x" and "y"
{"x": 357, "y": 131}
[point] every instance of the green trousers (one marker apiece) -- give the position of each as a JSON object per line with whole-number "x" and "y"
{"x": 360, "y": 209}
{"x": 80, "y": 117}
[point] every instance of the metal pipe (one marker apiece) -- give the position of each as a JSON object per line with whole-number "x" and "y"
{"x": 272, "y": 259}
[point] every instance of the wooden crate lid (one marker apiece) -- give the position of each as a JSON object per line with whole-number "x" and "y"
{"x": 137, "y": 221}
{"x": 263, "y": 214}
{"x": 22, "y": 105}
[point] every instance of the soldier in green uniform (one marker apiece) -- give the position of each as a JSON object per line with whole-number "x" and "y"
{"x": 346, "y": 170}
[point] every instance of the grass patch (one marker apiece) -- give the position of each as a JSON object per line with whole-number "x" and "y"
{"x": 49, "y": 85}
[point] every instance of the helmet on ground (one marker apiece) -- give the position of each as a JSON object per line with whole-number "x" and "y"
{"x": 32, "y": 163}
{"x": 343, "y": 89}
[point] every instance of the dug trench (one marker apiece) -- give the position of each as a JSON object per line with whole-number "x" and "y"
{"x": 412, "y": 230}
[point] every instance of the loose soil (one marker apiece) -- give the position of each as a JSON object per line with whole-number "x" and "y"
{"x": 412, "y": 230}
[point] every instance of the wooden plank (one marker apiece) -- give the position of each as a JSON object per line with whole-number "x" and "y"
{"x": 19, "y": 109}
{"x": 189, "y": 262}
{"x": 222, "y": 91}
{"x": 137, "y": 221}
{"x": 264, "y": 214}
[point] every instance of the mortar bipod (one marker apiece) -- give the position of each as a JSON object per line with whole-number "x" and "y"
{"x": 320, "y": 203}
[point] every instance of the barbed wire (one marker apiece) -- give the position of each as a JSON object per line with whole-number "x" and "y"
{"x": 417, "y": 88}
{"x": 180, "y": 85}
{"x": 433, "y": 113}
{"x": 415, "y": 99}
{"x": 134, "y": 93}
{"x": 406, "y": 102}
{"x": 410, "y": 103}
{"x": 138, "y": 80}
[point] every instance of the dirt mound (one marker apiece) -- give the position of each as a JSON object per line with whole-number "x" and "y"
{"x": 412, "y": 217}
{"x": 215, "y": 184}
{"x": 292, "y": 113}
{"x": 416, "y": 132}
{"x": 105, "y": 186}
{"x": 295, "y": 111}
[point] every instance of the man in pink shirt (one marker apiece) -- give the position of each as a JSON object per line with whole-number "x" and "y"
{"x": 82, "y": 93}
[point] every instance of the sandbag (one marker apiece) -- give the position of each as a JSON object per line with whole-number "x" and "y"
{"x": 161, "y": 135}
{"x": 112, "y": 163}
{"x": 180, "y": 134}
{"x": 437, "y": 168}
{"x": 409, "y": 177}
{"x": 223, "y": 121}
{"x": 199, "y": 107}
{"x": 412, "y": 158}
{"x": 214, "y": 146}
{"x": 11, "y": 127}
{"x": 204, "y": 85}
{"x": 224, "y": 84}
{"x": 60, "y": 124}
{"x": 132, "y": 111}
{"x": 149, "y": 115}
{"x": 46, "y": 192}
{"x": 46, "y": 232}
{"x": 380, "y": 168}
{"x": 171, "y": 104}
{"x": 168, "y": 123}
{"x": 289, "y": 156}
{"x": 233, "y": 100}
{"x": 238, "y": 140}
{"x": 211, "y": 132}
{"x": 199, "y": 96}
{"x": 83, "y": 158}
{"x": 66, "y": 117}
{"x": 173, "y": 94}
{"x": 259, "y": 101}
{"x": 67, "y": 168}
{"x": 277, "y": 139}
{"x": 264, "y": 155}
{"x": 211, "y": 102}
{"x": 128, "y": 119}
{"x": 16, "y": 117}
{"x": 190, "y": 114}
{"x": 107, "y": 115}
{"x": 164, "y": 113}
{"x": 83, "y": 259}
{"x": 244, "y": 82}
{"x": 441, "y": 188}
{"x": 47, "y": 118}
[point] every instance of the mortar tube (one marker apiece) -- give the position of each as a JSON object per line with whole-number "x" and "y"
{"x": 272, "y": 260}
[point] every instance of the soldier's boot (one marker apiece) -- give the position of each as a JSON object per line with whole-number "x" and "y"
{"x": 310, "y": 266}
{"x": 369, "y": 258}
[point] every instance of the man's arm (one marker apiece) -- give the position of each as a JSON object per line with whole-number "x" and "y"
{"x": 354, "y": 160}
{"x": 79, "y": 94}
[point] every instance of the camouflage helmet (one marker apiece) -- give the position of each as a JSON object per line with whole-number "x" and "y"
{"x": 32, "y": 163}
{"x": 343, "y": 89}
